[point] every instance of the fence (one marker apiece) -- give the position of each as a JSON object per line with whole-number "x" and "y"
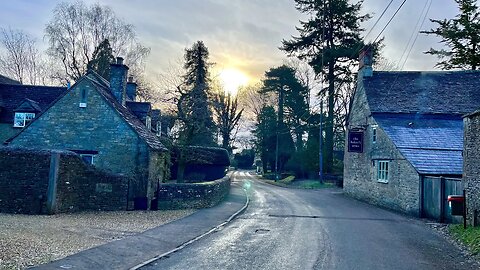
{"x": 435, "y": 191}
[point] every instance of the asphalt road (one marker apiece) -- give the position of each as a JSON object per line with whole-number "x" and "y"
{"x": 316, "y": 229}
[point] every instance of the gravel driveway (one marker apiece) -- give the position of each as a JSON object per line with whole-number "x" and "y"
{"x": 27, "y": 240}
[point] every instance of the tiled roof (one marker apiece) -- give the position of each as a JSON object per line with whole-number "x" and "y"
{"x": 150, "y": 138}
{"x": 452, "y": 92}
{"x": 431, "y": 143}
{"x": 12, "y": 96}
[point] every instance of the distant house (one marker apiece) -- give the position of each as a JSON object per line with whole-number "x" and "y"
{"x": 471, "y": 166}
{"x": 405, "y": 138}
{"x": 100, "y": 121}
{"x": 20, "y": 104}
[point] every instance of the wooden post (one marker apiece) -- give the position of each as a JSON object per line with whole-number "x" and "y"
{"x": 442, "y": 200}
{"x": 464, "y": 209}
{"x": 52, "y": 184}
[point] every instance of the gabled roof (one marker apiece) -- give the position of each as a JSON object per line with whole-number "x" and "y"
{"x": 433, "y": 144}
{"x": 101, "y": 86}
{"x": 6, "y": 80}
{"x": 28, "y": 105}
{"x": 12, "y": 96}
{"x": 442, "y": 92}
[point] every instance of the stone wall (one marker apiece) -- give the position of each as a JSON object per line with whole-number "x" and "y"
{"x": 23, "y": 180}
{"x": 471, "y": 168}
{"x": 26, "y": 176}
{"x": 402, "y": 192}
{"x": 193, "y": 195}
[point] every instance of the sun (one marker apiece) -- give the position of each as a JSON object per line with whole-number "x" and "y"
{"x": 232, "y": 79}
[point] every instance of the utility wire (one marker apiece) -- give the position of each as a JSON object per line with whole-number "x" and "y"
{"x": 378, "y": 20}
{"x": 389, "y": 21}
{"x": 353, "y": 54}
{"x": 418, "y": 32}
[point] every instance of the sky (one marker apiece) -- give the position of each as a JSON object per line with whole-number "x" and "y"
{"x": 242, "y": 35}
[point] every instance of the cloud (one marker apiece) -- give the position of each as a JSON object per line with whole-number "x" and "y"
{"x": 241, "y": 33}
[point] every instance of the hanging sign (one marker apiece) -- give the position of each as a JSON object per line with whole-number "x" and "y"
{"x": 355, "y": 141}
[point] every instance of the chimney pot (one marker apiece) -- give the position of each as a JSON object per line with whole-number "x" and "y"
{"x": 365, "y": 62}
{"x": 119, "y": 60}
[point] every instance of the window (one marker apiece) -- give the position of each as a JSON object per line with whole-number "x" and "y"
{"x": 22, "y": 119}
{"x": 148, "y": 122}
{"x": 88, "y": 158}
{"x": 374, "y": 134}
{"x": 159, "y": 128}
{"x": 83, "y": 98}
{"x": 382, "y": 171}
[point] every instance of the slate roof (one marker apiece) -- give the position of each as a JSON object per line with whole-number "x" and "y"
{"x": 443, "y": 92}
{"x": 6, "y": 80}
{"x": 102, "y": 86}
{"x": 431, "y": 143}
{"x": 140, "y": 109}
{"x": 13, "y": 95}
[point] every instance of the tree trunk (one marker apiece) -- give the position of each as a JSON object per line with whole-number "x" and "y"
{"x": 329, "y": 122}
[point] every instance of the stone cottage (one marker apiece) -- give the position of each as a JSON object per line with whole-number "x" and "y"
{"x": 93, "y": 119}
{"x": 20, "y": 104}
{"x": 405, "y": 137}
{"x": 471, "y": 166}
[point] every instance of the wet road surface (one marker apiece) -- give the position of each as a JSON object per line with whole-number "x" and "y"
{"x": 315, "y": 229}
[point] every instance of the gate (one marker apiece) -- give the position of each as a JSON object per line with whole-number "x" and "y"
{"x": 435, "y": 191}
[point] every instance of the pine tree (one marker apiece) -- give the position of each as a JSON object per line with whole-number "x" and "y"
{"x": 194, "y": 108}
{"x": 328, "y": 40}
{"x": 461, "y": 36}
{"x": 101, "y": 59}
{"x": 292, "y": 100}
{"x": 265, "y": 137}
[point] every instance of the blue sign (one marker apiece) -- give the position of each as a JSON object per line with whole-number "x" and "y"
{"x": 355, "y": 141}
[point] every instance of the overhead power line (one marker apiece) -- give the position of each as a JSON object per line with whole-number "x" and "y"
{"x": 389, "y": 21}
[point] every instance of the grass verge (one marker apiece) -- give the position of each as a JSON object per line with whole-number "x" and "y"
{"x": 302, "y": 184}
{"x": 470, "y": 236}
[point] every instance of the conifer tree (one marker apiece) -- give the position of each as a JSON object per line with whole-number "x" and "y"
{"x": 328, "y": 41}
{"x": 461, "y": 36}
{"x": 194, "y": 107}
{"x": 101, "y": 59}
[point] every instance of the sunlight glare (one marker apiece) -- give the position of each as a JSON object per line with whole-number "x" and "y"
{"x": 232, "y": 79}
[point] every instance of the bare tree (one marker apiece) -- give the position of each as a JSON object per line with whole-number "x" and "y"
{"x": 252, "y": 101}
{"x": 228, "y": 116}
{"x": 76, "y": 30}
{"x": 20, "y": 58}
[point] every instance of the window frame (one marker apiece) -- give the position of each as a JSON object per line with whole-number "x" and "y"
{"x": 92, "y": 156}
{"x": 24, "y": 120}
{"x": 83, "y": 98}
{"x": 374, "y": 133}
{"x": 383, "y": 169}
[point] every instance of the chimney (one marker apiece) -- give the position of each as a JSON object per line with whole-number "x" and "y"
{"x": 118, "y": 80}
{"x": 365, "y": 62}
{"x": 131, "y": 89}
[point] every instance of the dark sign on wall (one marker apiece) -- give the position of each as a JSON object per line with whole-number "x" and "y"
{"x": 355, "y": 141}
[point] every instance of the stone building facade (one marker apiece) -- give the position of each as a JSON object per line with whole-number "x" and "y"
{"x": 92, "y": 119}
{"x": 403, "y": 127}
{"x": 471, "y": 166}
